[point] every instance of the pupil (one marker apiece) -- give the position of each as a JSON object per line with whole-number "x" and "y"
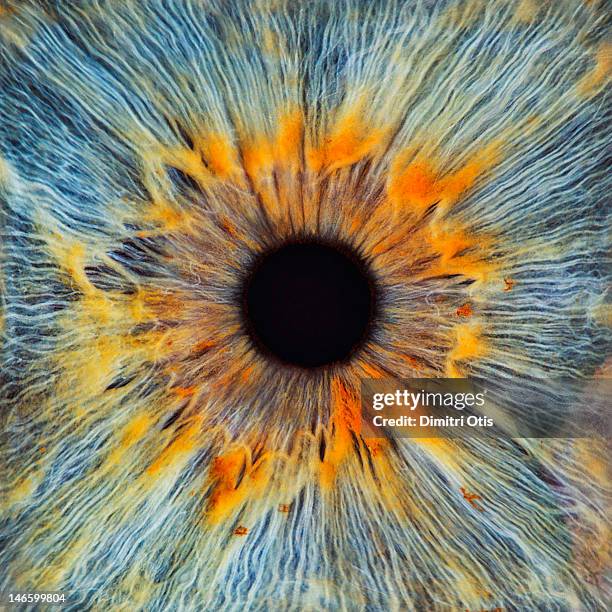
{"x": 308, "y": 304}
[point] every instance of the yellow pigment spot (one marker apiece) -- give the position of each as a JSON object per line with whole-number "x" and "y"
{"x": 187, "y": 160}
{"x": 594, "y": 457}
{"x": 526, "y": 11}
{"x": 177, "y": 450}
{"x": 5, "y": 172}
{"x": 602, "y": 313}
{"x": 54, "y": 574}
{"x": 442, "y": 449}
{"x": 468, "y": 344}
{"x": 71, "y": 258}
{"x": 459, "y": 253}
{"x": 22, "y": 491}
{"x": 132, "y": 433}
{"x": 599, "y": 75}
{"x": 449, "y": 243}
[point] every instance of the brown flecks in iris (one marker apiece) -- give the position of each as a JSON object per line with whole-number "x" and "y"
{"x": 465, "y": 310}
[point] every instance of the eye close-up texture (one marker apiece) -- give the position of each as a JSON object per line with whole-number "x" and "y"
{"x": 218, "y": 218}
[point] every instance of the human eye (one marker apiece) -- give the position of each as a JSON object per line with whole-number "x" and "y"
{"x": 217, "y": 219}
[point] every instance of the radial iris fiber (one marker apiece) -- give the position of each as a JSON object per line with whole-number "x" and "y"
{"x": 152, "y": 457}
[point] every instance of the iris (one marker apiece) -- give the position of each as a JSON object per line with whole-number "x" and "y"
{"x": 217, "y": 218}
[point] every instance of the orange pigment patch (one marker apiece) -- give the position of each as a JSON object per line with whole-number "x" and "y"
{"x": 465, "y": 310}
{"x": 348, "y": 142}
{"x": 227, "y": 494}
{"x": 166, "y": 216}
{"x": 257, "y": 156}
{"x": 346, "y": 418}
{"x": 414, "y": 187}
{"x": 508, "y": 284}
{"x": 230, "y": 228}
{"x": 455, "y": 184}
{"x": 203, "y": 346}
{"x": 375, "y": 446}
{"x": 413, "y": 362}
{"x": 460, "y": 253}
{"x": 220, "y": 155}
{"x": 289, "y": 140}
{"x": 227, "y": 467}
{"x": 468, "y": 344}
{"x": 449, "y": 243}
{"x": 247, "y": 373}
{"x": 346, "y": 408}
{"x": 261, "y": 153}
{"x": 241, "y": 531}
{"x": 371, "y": 371}
{"x": 356, "y": 224}
{"x": 419, "y": 184}
{"x": 184, "y": 391}
{"x": 471, "y": 498}
{"x": 284, "y": 508}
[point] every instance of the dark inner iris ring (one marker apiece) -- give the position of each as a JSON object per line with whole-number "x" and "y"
{"x": 309, "y": 303}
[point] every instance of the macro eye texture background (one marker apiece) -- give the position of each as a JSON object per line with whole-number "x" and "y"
{"x": 151, "y": 457}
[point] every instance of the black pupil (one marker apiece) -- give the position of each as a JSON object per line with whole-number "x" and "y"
{"x": 308, "y": 304}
